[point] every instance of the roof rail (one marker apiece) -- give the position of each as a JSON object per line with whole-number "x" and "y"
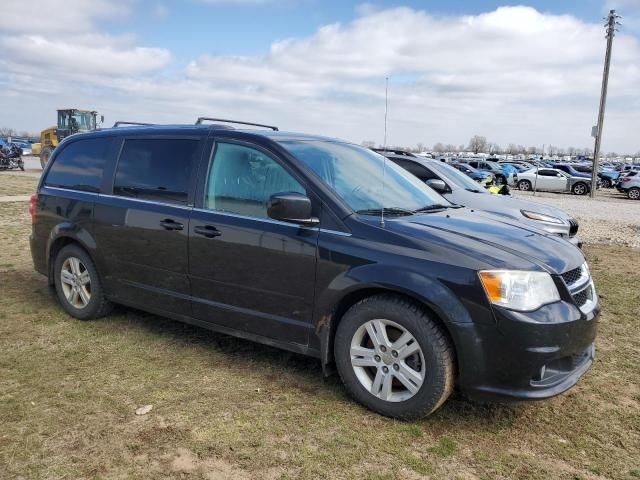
{"x": 202, "y": 119}
{"x": 117, "y": 124}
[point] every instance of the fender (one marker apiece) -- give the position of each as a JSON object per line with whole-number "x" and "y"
{"x": 350, "y": 286}
{"x": 71, "y": 231}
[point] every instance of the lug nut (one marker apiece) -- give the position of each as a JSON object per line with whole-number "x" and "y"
{"x": 394, "y": 353}
{"x": 383, "y": 348}
{"x": 377, "y": 358}
{"x": 385, "y": 369}
{"x": 396, "y": 367}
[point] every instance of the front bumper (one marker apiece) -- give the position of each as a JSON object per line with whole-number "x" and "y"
{"x": 527, "y": 356}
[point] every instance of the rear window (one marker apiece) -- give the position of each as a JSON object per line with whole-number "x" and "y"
{"x": 156, "y": 169}
{"x": 79, "y": 165}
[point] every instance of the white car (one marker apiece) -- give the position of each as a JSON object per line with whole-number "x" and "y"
{"x": 552, "y": 180}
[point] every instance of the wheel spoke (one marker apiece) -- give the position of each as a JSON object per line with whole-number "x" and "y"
{"x": 377, "y": 383}
{"x": 378, "y": 333}
{"x": 362, "y": 357}
{"x": 66, "y": 277}
{"x": 84, "y": 278}
{"x": 73, "y": 297}
{"x": 408, "y": 349}
{"x": 409, "y": 377}
{"x": 75, "y": 265}
{"x": 385, "y": 393}
{"x": 84, "y": 295}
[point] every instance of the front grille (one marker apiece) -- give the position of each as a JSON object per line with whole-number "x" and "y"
{"x": 572, "y": 276}
{"x": 573, "y": 227}
{"x": 581, "y": 297}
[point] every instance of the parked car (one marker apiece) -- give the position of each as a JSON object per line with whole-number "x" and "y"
{"x": 481, "y": 176}
{"x": 553, "y": 180}
{"x": 501, "y": 176}
{"x": 320, "y": 247}
{"x": 608, "y": 178}
{"x": 625, "y": 178}
{"x": 459, "y": 189}
{"x": 630, "y": 185}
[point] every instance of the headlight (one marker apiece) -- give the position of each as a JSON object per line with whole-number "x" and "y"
{"x": 542, "y": 217}
{"x": 519, "y": 290}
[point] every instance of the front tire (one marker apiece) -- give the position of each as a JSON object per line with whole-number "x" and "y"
{"x": 580, "y": 189}
{"x": 524, "y": 185}
{"x": 78, "y": 285}
{"x": 393, "y": 358}
{"x": 45, "y": 155}
{"x": 634, "y": 193}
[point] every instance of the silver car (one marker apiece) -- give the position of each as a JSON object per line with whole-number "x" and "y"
{"x": 552, "y": 180}
{"x": 460, "y": 189}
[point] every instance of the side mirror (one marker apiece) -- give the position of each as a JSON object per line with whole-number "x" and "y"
{"x": 291, "y": 207}
{"x": 438, "y": 185}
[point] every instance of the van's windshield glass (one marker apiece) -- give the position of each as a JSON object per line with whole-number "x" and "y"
{"x": 356, "y": 175}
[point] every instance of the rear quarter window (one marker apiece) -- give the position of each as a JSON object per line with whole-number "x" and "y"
{"x": 79, "y": 165}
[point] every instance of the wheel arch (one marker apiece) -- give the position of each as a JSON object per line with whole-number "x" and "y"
{"x": 64, "y": 235}
{"x": 327, "y": 328}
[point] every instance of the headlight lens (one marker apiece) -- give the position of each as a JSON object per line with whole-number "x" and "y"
{"x": 519, "y": 290}
{"x": 542, "y": 217}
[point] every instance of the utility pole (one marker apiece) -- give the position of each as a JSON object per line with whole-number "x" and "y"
{"x": 611, "y": 29}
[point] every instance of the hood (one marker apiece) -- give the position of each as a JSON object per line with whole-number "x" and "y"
{"x": 497, "y": 241}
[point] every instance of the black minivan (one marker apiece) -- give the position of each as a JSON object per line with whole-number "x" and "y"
{"x": 317, "y": 246}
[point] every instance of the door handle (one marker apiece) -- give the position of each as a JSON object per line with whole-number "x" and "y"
{"x": 208, "y": 231}
{"x": 169, "y": 224}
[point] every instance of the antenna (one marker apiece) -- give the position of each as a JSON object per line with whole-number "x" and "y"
{"x": 384, "y": 158}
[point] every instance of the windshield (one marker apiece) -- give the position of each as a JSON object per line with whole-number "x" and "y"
{"x": 357, "y": 175}
{"x": 459, "y": 178}
{"x": 77, "y": 121}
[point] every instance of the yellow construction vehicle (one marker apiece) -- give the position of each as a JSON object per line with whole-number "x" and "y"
{"x": 70, "y": 121}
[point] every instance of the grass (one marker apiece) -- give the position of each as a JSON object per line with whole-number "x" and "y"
{"x": 15, "y": 183}
{"x": 227, "y": 408}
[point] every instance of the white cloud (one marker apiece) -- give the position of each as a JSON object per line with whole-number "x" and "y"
{"x": 513, "y": 75}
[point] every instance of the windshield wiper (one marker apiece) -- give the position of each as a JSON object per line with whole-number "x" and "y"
{"x": 437, "y": 207}
{"x": 387, "y": 210}
{"x": 474, "y": 190}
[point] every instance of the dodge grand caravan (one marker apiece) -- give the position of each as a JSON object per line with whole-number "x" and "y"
{"x": 317, "y": 246}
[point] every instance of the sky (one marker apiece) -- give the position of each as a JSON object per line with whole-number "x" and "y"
{"x": 515, "y": 72}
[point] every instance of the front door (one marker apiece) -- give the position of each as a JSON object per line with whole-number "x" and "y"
{"x": 141, "y": 228}
{"x": 247, "y": 271}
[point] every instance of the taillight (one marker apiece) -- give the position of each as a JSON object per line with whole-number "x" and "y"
{"x": 626, "y": 179}
{"x": 33, "y": 205}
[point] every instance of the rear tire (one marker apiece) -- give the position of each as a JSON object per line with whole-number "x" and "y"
{"x": 78, "y": 285}
{"x": 580, "y": 188}
{"x": 634, "y": 193}
{"x": 414, "y": 358}
{"x": 45, "y": 155}
{"x": 606, "y": 183}
{"x": 524, "y": 185}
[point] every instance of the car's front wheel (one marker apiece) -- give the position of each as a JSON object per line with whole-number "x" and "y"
{"x": 580, "y": 189}
{"x": 77, "y": 284}
{"x": 634, "y": 193}
{"x": 524, "y": 185}
{"x": 393, "y": 358}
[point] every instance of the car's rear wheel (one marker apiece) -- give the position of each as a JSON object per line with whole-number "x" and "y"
{"x": 606, "y": 183}
{"x": 393, "y": 358}
{"x": 580, "y": 189}
{"x": 78, "y": 286}
{"x": 45, "y": 154}
{"x": 524, "y": 185}
{"x": 634, "y": 193}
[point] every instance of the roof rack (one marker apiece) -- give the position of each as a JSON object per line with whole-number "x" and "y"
{"x": 117, "y": 124}
{"x": 209, "y": 119}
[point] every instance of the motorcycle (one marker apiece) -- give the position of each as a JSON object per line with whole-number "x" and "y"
{"x": 11, "y": 157}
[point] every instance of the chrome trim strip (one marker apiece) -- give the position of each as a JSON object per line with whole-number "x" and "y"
{"x": 584, "y": 279}
{"x": 147, "y": 202}
{"x": 246, "y": 217}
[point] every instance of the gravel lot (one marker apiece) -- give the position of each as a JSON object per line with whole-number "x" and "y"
{"x": 610, "y": 218}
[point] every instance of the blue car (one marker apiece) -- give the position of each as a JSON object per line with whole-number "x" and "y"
{"x": 481, "y": 176}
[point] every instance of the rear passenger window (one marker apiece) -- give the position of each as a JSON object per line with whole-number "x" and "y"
{"x": 79, "y": 165}
{"x": 156, "y": 169}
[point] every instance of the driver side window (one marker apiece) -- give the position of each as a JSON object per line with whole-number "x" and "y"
{"x": 241, "y": 180}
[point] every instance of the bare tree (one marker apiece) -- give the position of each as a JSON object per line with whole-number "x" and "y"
{"x": 368, "y": 143}
{"x": 478, "y": 144}
{"x": 438, "y": 147}
{"x": 450, "y": 148}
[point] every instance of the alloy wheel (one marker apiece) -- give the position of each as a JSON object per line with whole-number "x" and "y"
{"x": 634, "y": 194}
{"x": 387, "y": 360}
{"x": 76, "y": 282}
{"x": 579, "y": 189}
